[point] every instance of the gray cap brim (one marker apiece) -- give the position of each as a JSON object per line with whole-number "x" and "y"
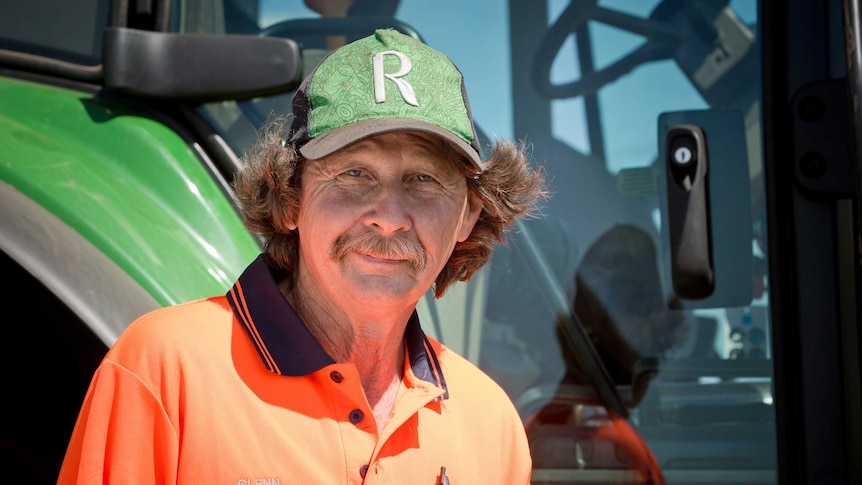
{"x": 338, "y": 138}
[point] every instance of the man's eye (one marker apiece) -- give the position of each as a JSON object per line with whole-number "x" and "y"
{"x": 424, "y": 178}
{"x": 354, "y": 172}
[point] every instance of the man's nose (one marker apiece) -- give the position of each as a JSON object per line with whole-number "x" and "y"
{"x": 389, "y": 208}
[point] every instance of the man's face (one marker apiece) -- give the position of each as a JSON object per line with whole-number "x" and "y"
{"x": 378, "y": 221}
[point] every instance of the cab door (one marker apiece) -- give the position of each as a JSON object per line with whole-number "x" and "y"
{"x": 702, "y": 166}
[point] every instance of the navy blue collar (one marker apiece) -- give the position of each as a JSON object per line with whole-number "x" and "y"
{"x": 284, "y": 343}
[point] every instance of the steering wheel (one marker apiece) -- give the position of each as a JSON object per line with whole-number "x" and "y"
{"x": 668, "y": 25}
{"x": 350, "y": 27}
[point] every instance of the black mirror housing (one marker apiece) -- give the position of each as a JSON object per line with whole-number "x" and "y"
{"x": 199, "y": 67}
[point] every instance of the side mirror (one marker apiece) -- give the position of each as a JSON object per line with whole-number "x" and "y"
{"x": 199, "y": 67}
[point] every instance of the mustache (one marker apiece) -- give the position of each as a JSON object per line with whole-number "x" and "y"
{"x": 384, "y": 247}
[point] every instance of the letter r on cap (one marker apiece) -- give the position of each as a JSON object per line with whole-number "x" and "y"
{"x": 404, "y": 87}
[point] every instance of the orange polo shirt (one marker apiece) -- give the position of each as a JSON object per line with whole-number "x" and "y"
{"x": 235, "y": 390}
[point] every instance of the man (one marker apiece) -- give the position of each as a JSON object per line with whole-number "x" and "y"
{"x": 314, "y": 368}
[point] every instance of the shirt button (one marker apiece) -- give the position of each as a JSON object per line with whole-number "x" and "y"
{"x": 336, "y": 376}
{"x": 356, "y": 416}
{"x": 363, "y": 470}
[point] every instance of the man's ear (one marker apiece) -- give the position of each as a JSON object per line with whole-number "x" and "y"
{"x": 471, "y": 215}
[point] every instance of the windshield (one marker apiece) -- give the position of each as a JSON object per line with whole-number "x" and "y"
{"x": 608, "y": 98}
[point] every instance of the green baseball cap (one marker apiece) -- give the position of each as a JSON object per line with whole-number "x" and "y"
{"x": 385, "y": 82}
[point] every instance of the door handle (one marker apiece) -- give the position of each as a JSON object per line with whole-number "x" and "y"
{"x": 687, "y": 172}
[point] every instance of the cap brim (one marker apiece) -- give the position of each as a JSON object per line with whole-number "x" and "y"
{"x": 338, "y": 138}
